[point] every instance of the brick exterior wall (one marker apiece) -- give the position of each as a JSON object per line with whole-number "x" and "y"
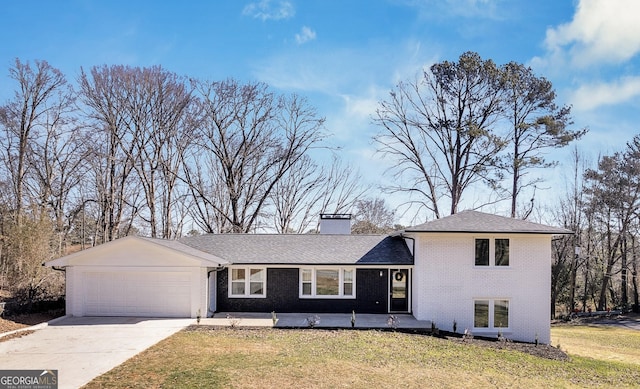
{"x": 446, "y": 283}
{"x": 282, "y": 294}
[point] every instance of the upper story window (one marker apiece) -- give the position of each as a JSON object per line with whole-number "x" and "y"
{"x": 488, "y": 254}
{"x": 502, "y": 252}
{"x": 327, "y": 283}
{"x": 247, "y": 282}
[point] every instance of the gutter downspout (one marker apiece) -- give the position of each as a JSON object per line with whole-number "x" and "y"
{"x": 413, "y": 246}
{"x": 62, "y": 269}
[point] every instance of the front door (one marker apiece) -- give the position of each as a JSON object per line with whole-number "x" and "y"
{"x": 399, "y": 290}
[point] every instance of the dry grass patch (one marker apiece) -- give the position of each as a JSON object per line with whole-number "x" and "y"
{"x": 605, "y": 343}
{"x": 271, "y": 358}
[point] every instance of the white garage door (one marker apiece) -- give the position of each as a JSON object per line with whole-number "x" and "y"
{"x": 137, "y": 293}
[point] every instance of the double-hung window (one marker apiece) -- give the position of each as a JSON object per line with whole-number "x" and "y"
{"x": 490, "y": 313}
{"x": 491, "y": 252}
{"x": 247, "y": 282}
{"x": 327, "y": 283}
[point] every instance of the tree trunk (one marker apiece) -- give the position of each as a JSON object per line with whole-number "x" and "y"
{"x": 634, "y": 278}
{"x": 606, "y": 280}
{"x": 623, "y": 274}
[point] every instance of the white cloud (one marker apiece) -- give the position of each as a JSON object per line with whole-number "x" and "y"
{"x": 362, "y": 107}
{"x": 267, "y": 9}
{"x": 602, "y": 31}
{"x": 347, "y": 95}
{"x": 305, "y": 35}
{"x": 594, "y": 95}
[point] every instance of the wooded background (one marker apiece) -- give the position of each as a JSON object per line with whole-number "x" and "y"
{"x": 125, "y": 150}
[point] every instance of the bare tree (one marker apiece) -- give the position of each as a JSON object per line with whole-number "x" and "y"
{"x": 157, "y": 117}
{"x": 614, "y": 194}
{"x": 440, "y": 131}
{"x": 33, "y": 189}
{"x": 341, "y": 189}
{"x": 59, "y": 167}
{"x": 41, "y": 95}
{"x": 112, "y": 147}
{"x": 536, "y": 124}
{"x": 562, "y": 256}
{"x": 372, "y": 216}
{"x": 145, "y": 120}
{"x": 252, "y": 139}
{"x": 566, "y": 261}
{"x": 207, "y": 191}
{"x": 296, "y": 195}
{"x": 307, "y": 190}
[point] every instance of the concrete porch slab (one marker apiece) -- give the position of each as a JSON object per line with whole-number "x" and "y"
{"x": 322, "y": 320}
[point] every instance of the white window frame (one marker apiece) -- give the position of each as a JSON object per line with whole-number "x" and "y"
{"x": 491, "y": 312}
{"x": 341, "y": 283}
{"x": 247, "y": 282}
{"x": 492, "y": 253}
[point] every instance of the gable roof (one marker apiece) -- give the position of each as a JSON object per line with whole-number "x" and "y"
{"x": 183, "y": 248}
{"x": 307, "y": 249}
{"x": 139, "y": 251}
{"x": 474, "y": 222}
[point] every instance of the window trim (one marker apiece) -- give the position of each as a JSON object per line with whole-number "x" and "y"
{"x": 247, "y": 282}
{"x": 491, "y": 313}
{"x": 492, "y": 252}
{"x": 341, "y": 282}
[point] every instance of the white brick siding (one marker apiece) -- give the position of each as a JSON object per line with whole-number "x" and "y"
{"x": 446, "y": 283}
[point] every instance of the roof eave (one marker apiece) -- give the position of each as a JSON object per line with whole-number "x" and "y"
{"x": 301, "y": 264}
{"x": 560, "y": 232}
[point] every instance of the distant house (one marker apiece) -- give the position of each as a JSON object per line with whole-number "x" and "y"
{"x": 487, "y": 273}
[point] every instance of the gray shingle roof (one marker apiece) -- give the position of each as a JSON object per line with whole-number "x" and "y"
{"x": 307, "y": 249}
{"x": 178, "y": 246}
{"x": 474, "y": 221}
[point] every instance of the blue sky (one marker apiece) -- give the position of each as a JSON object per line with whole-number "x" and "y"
{"x": 345, "y": 56}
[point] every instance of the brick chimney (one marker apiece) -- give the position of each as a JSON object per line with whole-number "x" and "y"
{"x": 335, "y": 224}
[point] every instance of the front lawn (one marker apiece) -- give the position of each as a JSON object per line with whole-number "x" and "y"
{"x": 599, "y": 342}
{"x": 271, "y": 358}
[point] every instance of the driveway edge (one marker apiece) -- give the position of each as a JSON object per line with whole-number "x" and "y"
{"x": 34, "y": 327}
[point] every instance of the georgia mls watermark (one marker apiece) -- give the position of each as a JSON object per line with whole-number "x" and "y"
{"x": 28, "y": 379}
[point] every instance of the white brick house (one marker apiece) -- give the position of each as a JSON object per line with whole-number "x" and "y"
{"x": 489, "y": 274}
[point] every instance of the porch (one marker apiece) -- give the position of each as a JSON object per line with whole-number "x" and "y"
{"x": 316, "y": 320}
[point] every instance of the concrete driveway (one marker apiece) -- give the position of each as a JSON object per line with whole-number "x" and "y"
{"x": 630, "y": 321}
{"x": 82, "y": 348}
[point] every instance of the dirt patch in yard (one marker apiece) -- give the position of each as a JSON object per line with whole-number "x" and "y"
{"x": 16, "y": 335}
{"x": 11, "y": 323}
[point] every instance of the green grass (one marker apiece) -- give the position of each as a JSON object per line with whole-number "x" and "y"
{"x": 269, "y": 358}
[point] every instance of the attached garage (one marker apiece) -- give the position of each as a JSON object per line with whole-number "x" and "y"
{"x": 140, "y": 293}
{"x": 136, "y": 276}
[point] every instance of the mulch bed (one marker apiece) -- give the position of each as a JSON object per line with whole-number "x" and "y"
{"x": 541, "y": 350}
